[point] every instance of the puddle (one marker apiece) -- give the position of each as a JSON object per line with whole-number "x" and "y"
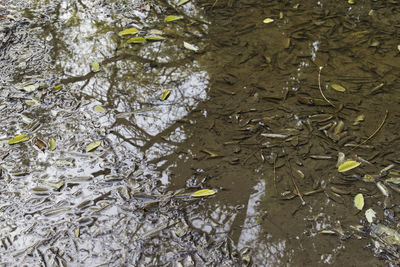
{"x": 258, "y": 113}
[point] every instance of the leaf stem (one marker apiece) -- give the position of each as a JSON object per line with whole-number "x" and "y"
{"x": 320, "y": 89}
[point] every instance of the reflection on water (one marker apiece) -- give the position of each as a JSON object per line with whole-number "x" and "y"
{"x": 243, "y": 118}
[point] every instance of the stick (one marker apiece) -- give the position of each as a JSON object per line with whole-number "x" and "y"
{"x": 374, "y": 133}
{"x": 295, "y": 185}
{"x": 320, "y": 89}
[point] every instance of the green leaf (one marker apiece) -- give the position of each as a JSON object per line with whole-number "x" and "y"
{"x": 190, "y": 46}
{"x": 18, "y": 139}
{"x": 370, "y": 215}
{"x": 203, "y": 193}
{"x": 154, "y": 38}
{"x": 95, "y": 66}
{"x": 359, "y": 201}
{"x": 182, "y": 2}
{"x": 99, "y": 108}
{"x": 165, "y": 94}
{"x": 129, "y": 31}
{"x": 156, "y": 32}
{"x": 268, "y": 20}
{"x": 393, "y": 180}
{"x": 52, "y": 144}
{"x": 92, "y": 146}
{"x": 348, "y": 165}
{"x": 136, "y": 40}
{"x": 338, "y": 87}
{"x": 172, "y": 18}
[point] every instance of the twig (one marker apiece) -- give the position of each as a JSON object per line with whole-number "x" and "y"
{"x": 374, "y": 133}
{"x": 295, "y": 185}
{"x": 276, "y": 190}
{"x": 320, "y": 89}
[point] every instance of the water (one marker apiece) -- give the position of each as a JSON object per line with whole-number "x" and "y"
{"x": 243, "y": 118}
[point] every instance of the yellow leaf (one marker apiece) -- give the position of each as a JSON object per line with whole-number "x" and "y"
{"x": 165, "y": 94}
{"x": 348, "y": 165}
{"x": 172, "y": 18}
{"x": 92, "y": 146}
{"x": 203, "y": 193}
{"x": 359, "y": 201}
{"x": 99, "y": 108}
{"x": 370, "y": 215}
{"x": 268, "y": 20}
{"x": 137, "y": 40}
{"x": 338, "y": 87}
{"x": 95, "y": 66}
{"x": 156, "y": 32}
{"x": 52, "y": 144}
{"x": 129, "y": 31}
{"x": 77, "y": 232}
{"x": 155, "y": 38}
{"x": 57, "y": 88}
{"x": 18, "y": 139}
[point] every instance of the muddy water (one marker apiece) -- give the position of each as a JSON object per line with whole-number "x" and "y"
{"x": 246, "y": 117}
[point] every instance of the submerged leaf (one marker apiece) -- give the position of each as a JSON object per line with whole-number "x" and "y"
{"x": 99, "y": 108}
{"x": 348, "y": 165}
{"x": 370, "y": 215}
{"x": 155, "y": 38}
{"x": 172, "y": 18}
{"x": 190, "y": 46}
{"x": 359, "y": 201}
{"x": 156, "y": 32}
{"x": 18, "y": 139}
{"x": 268, "y": 20}
{"x": 52, "y": 144}
{"x": 182, "y": 2}
{"x": 338, "y": 87}
{"x": 95, "y": 66}
{"x": 136, "y": 40}
{"x": 92, "y": 146}
{"x": 359, "y": 119}
{"x": 77, "y": 232}
{"x": 129, "y": 31}
{"x": 393, "y": 180}
{"x": 203, "y": 193}
{"x": 165, "y": 94}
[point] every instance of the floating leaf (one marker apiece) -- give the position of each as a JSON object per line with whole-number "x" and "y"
{"x": 129, "y": 31}
{"x": 172, "y": 18}
{"x": 370, "y": 215}
{"x": 77, "y": 232}
{"x": 18, "y": 139}
{"x": 52, "y": 144}
{"x": 190, "y": 46}
{"x": 359, "y": 119}
{"x": 359, "y": 201}
{"x": 268, "y": 20}
{"x": 136, "y": 40}
{"x": 182, "y": 2}
{"x": 348, "y": 165}
{"x": 155, "y": 38}
{"x": 95, "y": 66}
{"x": 92, "y": 146}
{"x": 165, "y": 94}
{"x": 57, "y": 186}
{"x": 57, "y": 88}
{"x": 203, "y": 193}
{"x": 338, "y": 87}
{"x": 156, "y": 32}
{"x": 99, "y": 108}
{"x": 31, "y": 87}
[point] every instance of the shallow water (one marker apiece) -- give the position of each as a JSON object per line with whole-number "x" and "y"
{"x": 243, "y": 118}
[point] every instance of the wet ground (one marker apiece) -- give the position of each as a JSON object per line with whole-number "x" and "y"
{"x": 258, "y": 111}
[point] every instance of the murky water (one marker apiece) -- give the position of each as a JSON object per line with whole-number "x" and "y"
{"x": 253, "y": 114}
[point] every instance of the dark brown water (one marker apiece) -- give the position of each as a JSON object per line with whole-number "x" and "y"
{"x": 252, "y": 114}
